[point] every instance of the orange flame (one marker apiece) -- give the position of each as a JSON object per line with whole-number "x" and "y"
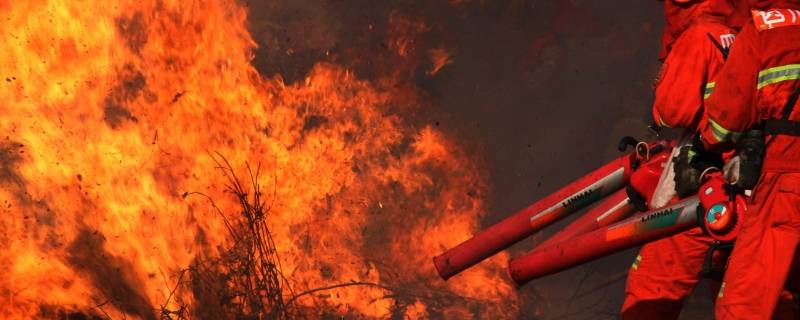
{"x": 111, "y": 112}
{"x": 440, "y": 57}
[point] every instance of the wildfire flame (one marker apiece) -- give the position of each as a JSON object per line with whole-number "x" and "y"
{"x": 115, "y": 117}
{"x": 439, "y": 57}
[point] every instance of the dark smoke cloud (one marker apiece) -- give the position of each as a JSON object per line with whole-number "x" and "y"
{"x": 542, "y": 90}
{"x": 109, "y": 274}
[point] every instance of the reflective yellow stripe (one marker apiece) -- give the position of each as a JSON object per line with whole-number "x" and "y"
{"x": 777, "y": 74}
{"x": 636, "y": 262}
{"x": 721, "y": 291}
{"x": 721, "y": 134}
{"x": 709, "y": 89}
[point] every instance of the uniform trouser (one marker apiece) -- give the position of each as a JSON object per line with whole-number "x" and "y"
{"x": 667, "y": 270}
{"x": 664, "y": 273}
{"x": 765, "y": 248}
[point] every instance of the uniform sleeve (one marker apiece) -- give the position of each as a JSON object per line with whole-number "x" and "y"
{"x": 679, "y": 92}
{"x": 732, "y": 108}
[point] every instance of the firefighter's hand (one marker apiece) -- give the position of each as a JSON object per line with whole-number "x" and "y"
{"x": 689, "y": 165}
{"x": 701, "y": 158}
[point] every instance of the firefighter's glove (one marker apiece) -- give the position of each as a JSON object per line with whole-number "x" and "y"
{"x": 701, "y": 159}
{"x": 750, "y": 150}
{"x": 691, "y": 162}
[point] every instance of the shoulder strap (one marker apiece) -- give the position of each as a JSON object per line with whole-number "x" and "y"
{"x": 783, "y": 125}
{"x": 789, "y": 107}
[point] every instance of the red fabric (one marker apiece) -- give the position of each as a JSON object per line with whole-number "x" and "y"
{"x": 740, "y": 14}
{"x": 764, "y": 251}
{"x": 666, "y": 271}
{"x": 766, "y": 4}
{"x": 678, "y": 17}
{"x": 693, "y": 62}
{"x": 766, "y": 245}
{"x": 681, "y": 15}
{"x": 737, "y": 104}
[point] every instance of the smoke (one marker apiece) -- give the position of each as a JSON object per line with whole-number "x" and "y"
{"x": 109, "y": 274}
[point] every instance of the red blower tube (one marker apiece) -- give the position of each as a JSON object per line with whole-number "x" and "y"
{"x": 615, "y": 208}
{"x": 636, "y": 230}
{"x": 642, "y": 182}
{"x": 571, "y": 198}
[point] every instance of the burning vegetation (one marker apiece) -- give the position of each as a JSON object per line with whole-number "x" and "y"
{"x": 147, "y": 170}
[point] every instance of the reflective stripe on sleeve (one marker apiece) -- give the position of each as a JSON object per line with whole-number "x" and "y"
{"x": 709, "y": 89}
{"x": 721, "y": 134}
{"x": 777, "y": 74}
{"x": 635, "y": 265}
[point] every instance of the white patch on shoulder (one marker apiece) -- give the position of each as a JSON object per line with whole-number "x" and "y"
{"x": 726, "y": 40}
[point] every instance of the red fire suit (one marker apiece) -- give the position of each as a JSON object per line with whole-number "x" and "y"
{"x": 761, "y": 73}
{"x": 667, "y": 270}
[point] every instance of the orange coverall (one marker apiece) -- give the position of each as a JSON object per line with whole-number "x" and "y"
{"x": 667, "y": 270}
{"x": 761, "y": 73}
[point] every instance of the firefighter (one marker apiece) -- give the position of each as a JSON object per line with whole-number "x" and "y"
{"x": 695, "y": 42}
{"x": 757, "y": 90}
